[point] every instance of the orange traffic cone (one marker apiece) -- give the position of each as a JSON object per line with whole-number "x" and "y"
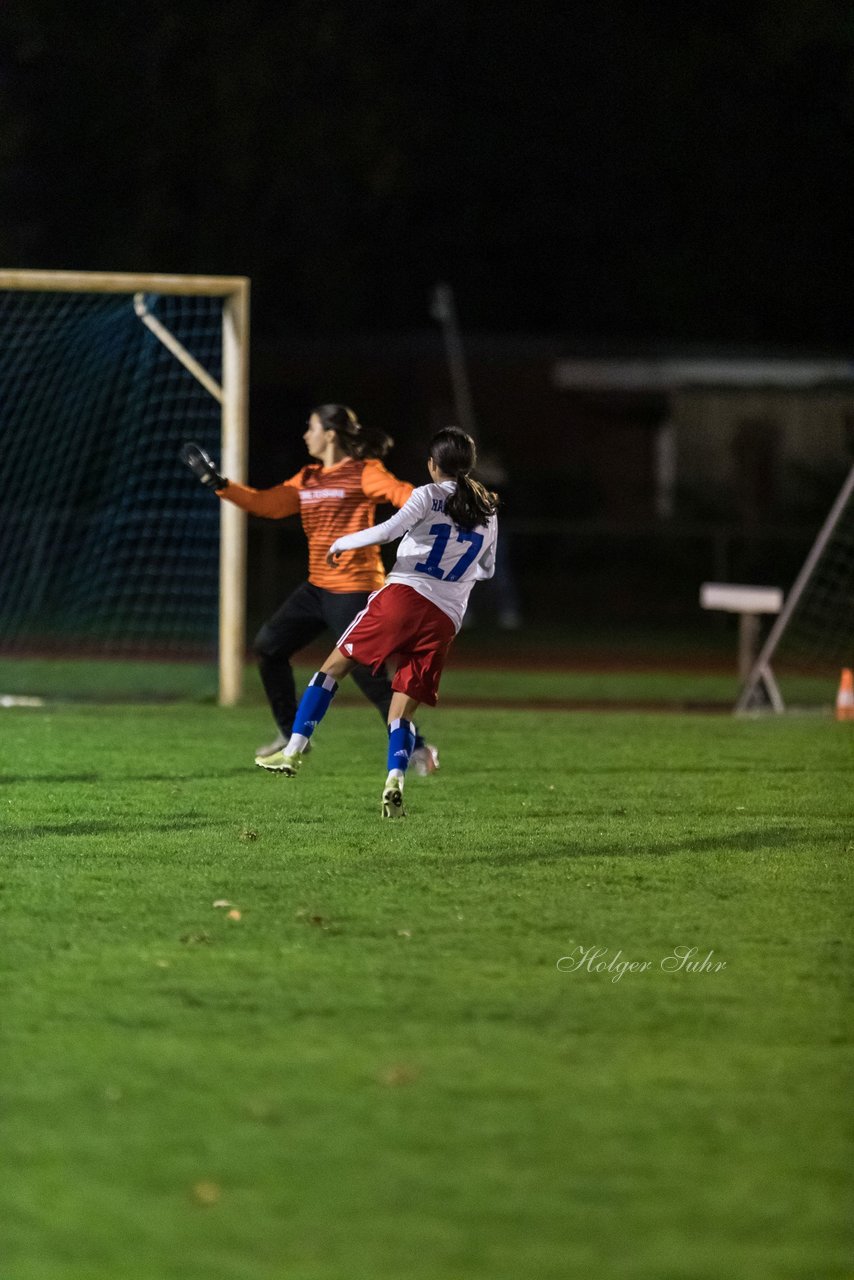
{"x": 845, "y": 696}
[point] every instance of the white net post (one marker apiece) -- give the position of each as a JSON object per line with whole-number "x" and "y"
{"x": 232, "y": 552}
{"x": 817, "y": 616}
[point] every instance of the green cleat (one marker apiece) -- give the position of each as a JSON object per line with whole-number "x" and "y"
{"x": 280, "y": 763}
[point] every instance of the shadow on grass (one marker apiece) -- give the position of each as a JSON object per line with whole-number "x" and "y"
{"x": 198, "y": 775}
{"x": 746, "y": 842}
{"x": 100, "y": 828}
{"x": 12, "y": 779}
{"x": 750, "y": 767}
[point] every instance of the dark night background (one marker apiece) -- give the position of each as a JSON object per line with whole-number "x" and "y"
{"x": 617, "y": 175}
{"x": 616, "y": 170}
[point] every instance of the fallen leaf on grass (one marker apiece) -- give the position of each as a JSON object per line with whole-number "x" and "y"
{"x": 206, "y": 1193}
{"x": 399, "y": 1073}
{"x": 264, "y": 1111}
{"x": 234, "y": 914}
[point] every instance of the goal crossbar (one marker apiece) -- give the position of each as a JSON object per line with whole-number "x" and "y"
{"x": 122, "y": 282}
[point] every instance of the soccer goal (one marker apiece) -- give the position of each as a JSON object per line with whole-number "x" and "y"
{"x": 107, "y": 546}
{"x": 812, "y": 638}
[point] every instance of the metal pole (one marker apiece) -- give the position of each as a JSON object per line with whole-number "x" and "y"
{"x": 443, "y": 309}
{"x": 178, "y": 350}
{"x": 762, "y": 667}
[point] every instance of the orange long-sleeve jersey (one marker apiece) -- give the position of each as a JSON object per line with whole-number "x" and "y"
{"x": 331, "y": 501}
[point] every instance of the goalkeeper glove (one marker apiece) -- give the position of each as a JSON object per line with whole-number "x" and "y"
{"x": 202, "y": 466}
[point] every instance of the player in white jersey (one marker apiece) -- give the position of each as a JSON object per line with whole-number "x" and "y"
{"x": 450, "y": 531}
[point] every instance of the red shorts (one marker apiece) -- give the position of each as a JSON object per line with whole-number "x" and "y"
{"x": 399, "y": 624}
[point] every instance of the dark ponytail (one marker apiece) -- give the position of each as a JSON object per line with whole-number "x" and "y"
{"x": 356, "y": 441}
{"x": 453, "y": 452}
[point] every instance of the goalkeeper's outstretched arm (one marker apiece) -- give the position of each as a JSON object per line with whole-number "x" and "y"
{"x": 202, "y": 466}
{"x": 280, "y": 501}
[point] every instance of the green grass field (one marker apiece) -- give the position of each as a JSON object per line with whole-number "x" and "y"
{"x": 681, "y": 687}
{"x": 380, "y": 1071}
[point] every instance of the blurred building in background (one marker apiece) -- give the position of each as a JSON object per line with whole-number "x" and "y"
{"x": 630, "y": 477}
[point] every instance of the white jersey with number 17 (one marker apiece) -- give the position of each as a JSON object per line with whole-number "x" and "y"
{"x": 436, "y": 558}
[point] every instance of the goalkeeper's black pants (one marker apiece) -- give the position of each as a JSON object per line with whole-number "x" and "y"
{"x": 306, "y": 614}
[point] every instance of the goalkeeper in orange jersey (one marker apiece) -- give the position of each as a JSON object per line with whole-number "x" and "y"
{"x": 334, "y": 495}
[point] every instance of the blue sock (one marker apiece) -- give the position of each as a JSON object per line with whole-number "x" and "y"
{"x": 401, "y": 743}
{"x": 314, "y": 703}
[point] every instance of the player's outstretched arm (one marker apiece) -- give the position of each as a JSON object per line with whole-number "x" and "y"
{"x": 378, "y": 534}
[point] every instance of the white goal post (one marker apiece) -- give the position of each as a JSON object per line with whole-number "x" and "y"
{"x": 232, "y": 394}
